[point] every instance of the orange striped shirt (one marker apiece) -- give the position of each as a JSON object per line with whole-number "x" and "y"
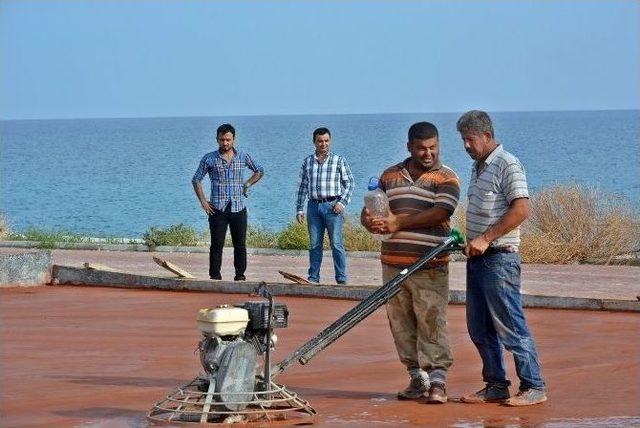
{"x": 438, "y": 187}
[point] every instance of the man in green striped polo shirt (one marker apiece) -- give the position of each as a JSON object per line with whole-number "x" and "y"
{"x": 498, "y": 202}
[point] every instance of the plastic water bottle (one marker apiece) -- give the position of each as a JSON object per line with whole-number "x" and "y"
{"x": 376, "y": 201}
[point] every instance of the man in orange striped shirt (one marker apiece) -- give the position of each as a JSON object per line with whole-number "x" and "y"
{"x": 423, "y": 194}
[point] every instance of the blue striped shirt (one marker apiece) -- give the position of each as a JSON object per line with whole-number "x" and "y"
{"x": 331, "y": 178}
{"x": 227, "y": 178}
{"x": 490, "y": 193}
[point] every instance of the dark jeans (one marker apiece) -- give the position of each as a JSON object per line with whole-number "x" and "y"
{"x": 495, "y": 319}
{"x": 237, "y": 222}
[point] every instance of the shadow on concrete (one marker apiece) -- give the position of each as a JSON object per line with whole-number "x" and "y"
{"x": 122, "y": 381}
{"x": 107, "y": 416}
{"x": 306, "y": 393}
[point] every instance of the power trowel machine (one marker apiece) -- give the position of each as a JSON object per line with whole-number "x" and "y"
{"x": 233, "y": 388}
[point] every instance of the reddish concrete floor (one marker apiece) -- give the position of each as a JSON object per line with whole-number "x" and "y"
{"x": 100, "y": 357}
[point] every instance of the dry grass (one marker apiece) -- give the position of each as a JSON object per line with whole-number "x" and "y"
{"x": 357, "y": 238}
{"x": 459, "y": 219}
{"x": 573, "y": 223}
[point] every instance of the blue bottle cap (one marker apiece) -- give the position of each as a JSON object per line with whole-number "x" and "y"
{"x": 374, "y": 183}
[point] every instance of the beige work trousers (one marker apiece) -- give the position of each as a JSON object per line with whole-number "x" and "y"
{"x": 418, "y": 320}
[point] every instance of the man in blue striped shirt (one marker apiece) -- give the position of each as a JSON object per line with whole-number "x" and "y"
{"x": 226, "y": 207}
{"x": 326, "y": 179}
{"x": 498, "y": 204}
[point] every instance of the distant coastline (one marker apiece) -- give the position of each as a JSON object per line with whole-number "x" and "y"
{"x": 236, "y": 115}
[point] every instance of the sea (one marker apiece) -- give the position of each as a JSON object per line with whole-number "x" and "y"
{"x": 118, "y": 177}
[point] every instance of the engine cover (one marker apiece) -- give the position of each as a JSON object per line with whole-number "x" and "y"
{"x": 259, "y": 314}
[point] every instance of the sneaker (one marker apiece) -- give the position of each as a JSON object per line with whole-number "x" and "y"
{"x": 418, "y": 386}
{"x": 239, "y": 278}
{"x": 527, "y": 397}
{"x": 488, "y": 394}
{"x": 437, "y": 393}
{"x": 216, "y": 277}
{"x": 342, "y": 282}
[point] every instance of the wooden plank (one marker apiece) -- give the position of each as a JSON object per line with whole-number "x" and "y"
{"x": 292, "y": 277}
{"x": 172, "y": 268}
{"x": 98, "y": 266}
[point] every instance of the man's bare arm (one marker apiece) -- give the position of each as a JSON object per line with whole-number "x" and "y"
{"x": 206, "y": 206}
{"x": 517, "y": 213}
{"x": 255, "y": 177}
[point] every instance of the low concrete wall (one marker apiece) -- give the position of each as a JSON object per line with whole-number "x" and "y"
{"x": 66, "y": 275}
{"x": 25, "y": 268}
{"x": 139, "y": 247}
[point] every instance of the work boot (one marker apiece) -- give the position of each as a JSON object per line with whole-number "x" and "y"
{"x": 488, "y": 394}
{"x": 418, "y": 386}
{"x": 527, "y": 397}
{"x": 437, "y": 393}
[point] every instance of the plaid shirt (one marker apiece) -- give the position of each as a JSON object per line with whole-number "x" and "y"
{"x": 324, "y": 180}
{"x": 227, "y": 178}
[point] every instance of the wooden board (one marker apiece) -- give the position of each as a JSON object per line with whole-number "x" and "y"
{"x": 172, "y": 268}
{"x": 98, "y": 266}
{"x": 295, "y": 278}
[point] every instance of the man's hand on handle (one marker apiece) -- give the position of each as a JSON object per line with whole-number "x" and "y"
{"x": 477, "y": 246}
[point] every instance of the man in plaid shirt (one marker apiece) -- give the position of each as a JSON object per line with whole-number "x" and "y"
{"x": 226, "y": 207}
{"x": 326, "y": 179}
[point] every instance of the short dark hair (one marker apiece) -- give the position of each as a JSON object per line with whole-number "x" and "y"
{"x": 422, "y": 131}
{"x": 476, "y": 122}
{"x": 224, "y": 128}
{"x": 321, "y": 131}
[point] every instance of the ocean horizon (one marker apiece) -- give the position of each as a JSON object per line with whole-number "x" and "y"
{"x": 120, "y": 176}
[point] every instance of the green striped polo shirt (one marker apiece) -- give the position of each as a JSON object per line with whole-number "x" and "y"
{"x": 491, "y": 191}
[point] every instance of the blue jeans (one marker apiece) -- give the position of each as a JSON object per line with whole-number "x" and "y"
{"x": 320, "y": 216}
{"x": 495, "y": 319}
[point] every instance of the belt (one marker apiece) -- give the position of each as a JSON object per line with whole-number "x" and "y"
{"x": 500, "y": 250}
{"x": 329, "y": 199}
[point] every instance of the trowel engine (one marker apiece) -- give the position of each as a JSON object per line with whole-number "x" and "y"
{"x": 233, "y": 337}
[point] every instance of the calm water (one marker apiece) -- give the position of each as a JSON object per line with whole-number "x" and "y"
{"x": 117, "y": 177}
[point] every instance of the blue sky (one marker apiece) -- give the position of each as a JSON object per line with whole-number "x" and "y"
{"x": 160, "y": 58}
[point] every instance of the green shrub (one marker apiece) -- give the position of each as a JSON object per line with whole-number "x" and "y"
{"x": 294, "y": 237}
{"x": 176, "y": 234}
{"x": 356, "y": 238}
{"x": 260, "y": 237}
{"x": 49, "y": 238}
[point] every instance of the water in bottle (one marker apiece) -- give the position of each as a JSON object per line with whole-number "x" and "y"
{"x": 376, "y": 201}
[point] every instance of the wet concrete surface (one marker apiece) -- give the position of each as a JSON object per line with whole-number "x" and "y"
{"x": 589, "y": 281}
{"x": 101, "y": 357}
